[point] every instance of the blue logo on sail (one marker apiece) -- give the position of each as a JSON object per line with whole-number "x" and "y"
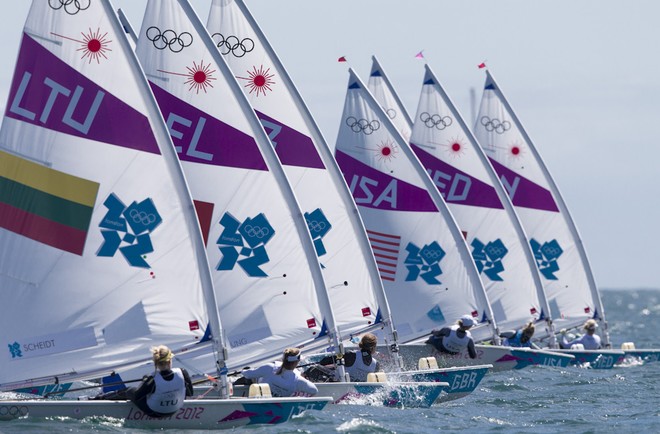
{"x": 244, "y": 244}
{"x": 15, "y": 350}
{"x": 488, "y": 257}
{"x": 130, "y": 225}
{"x": 318, "y": 226}
{"x": 424, "y": 262}
{"x": 546, "y": 256}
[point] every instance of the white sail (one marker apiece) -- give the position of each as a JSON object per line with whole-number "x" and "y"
{"x": 101, "y": 257}
{"x": 460, "y": 170}
{"x": 268, "y": 282}
{"x": 381, "y": 88}
{"x": 353, "y": 284}
{"x": 558, "y": 250}
{"x": 426, "y": 268}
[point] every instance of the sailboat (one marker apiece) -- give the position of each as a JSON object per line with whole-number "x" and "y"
{"x": 558, "y": 249}
{"x": 272, "y": 303}
{"x": 101, "y": 254}
{"x": 270, "y": 291}
{"x": 424, "y": 263}
{"x": 462, "y": 174}
{"x": 354, "y": 285}
{"x": 352, "y": 280}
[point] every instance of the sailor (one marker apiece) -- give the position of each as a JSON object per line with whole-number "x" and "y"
{"x": 520, "y": 338}
{"x": 283, "y": 377}
{"x": 161, "y": 394}
{"x": 452, "y": 340}
{"x": 590, "y": 341}
{"x": 358, "y": 366}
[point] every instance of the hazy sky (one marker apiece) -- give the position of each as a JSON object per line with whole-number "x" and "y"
{"x": 583, "y": 77}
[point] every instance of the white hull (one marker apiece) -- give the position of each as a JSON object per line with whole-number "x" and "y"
{"x": 195, "y": 414}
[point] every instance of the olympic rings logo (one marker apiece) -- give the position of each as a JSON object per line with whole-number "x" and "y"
{"x": 316, "y": 226}
{"x": 69, "y": 5}
{"x": 362, "y": 125}
{"x": 14, "y": 411}
{"x": 495, "y": 125}
{"x": 391, "y": 113}
{"x": 498, "y": 252}
{"x": 168, "y": 39}
{"x": 432, "y": 254}
{"x": 142, "y": 217}
{"x": 257, "y": 231}
{"x": 231, "y": 44}
{"x": 437, "y": 121}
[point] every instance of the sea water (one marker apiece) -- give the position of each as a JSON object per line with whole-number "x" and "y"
{"x": 531, "y": 400}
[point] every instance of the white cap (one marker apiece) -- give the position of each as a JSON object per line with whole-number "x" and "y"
{"x": 467, "y": 321}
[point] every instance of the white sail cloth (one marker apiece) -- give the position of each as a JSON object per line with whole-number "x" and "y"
{"x": 429, "y": 277}
{"x": 353, "y": 285}
{"x": 558, "y": 250}
{"x": 100, "y": 254}
{"x": 267, "y": 279}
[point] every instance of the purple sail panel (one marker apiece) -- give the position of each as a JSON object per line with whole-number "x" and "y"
{"x": 457, "y": 186}
{"x": 374, "y": 189}
{"x": 49, "y": 93}
{"x": 524, "y": 192}
{"x": 293, "y": 148}
{"x": 201, "y": 138}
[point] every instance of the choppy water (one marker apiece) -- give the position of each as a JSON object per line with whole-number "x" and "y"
{"x": 536, "y": 400}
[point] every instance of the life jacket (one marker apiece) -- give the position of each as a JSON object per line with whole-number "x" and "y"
{"x": 283, "y": 384}
{"x": 359, "y": 370}
{"x": 452, "y": 343}
{"x": 516, "y": 341}
{"x": 168, "y": 396}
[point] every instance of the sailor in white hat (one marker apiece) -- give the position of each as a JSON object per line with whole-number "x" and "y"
{"x": 452, "y": 340}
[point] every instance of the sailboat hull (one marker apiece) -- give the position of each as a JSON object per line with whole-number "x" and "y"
{"x": 406, "y": 394}
{"x": 645, "y": 355}
{"x": 462, "y": 380}
{"x": 596, "y": 359}
{"x": 502, "y": 358}
{"x": 195, "y": 414}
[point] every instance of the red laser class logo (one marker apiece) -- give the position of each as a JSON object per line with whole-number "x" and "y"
{"x": 198, "y": 77}
{"x": 258, "y": 80}
{"x": 454, "y": 148}
{"x": 93, "y": 45}
{"x": 386, "y": 151}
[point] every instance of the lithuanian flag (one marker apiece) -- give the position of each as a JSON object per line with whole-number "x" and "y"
{"x": 44, "y": 204}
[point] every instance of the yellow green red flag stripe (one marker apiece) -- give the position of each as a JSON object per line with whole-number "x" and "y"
{"x": 44, "y": 204}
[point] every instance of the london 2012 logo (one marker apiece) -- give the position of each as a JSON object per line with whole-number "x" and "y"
{"x": 318, "y": 226}
{"x": 128, "y": 229}
{"x": 488, "y": 257}
{"x": 15, "y": 350}
{"x": 424, "y": 262}
{"x": 244, "y": 243}
{"x": 547, "y": 255}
